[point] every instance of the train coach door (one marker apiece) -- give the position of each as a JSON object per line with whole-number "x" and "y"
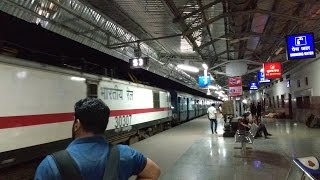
{"x": 92, "y": 89}
{"x": 178, "y": 108}
{"x": 188, "y": 108}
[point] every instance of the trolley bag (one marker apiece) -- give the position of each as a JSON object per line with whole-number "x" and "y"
{"x": 69, "y": 169}
{"x": 227, "y": 127}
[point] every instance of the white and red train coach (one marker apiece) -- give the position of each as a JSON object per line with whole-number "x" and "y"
{"x": 38, "y": 100}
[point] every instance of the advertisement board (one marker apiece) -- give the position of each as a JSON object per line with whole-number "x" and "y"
{"x": 235, "y": 86}
{"x": 272, "y": 70}
{"x": 300, "y": 46}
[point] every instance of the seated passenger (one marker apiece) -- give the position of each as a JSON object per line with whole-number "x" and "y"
{"x": 89, "y": 150}
{"x": 244, "y": 123}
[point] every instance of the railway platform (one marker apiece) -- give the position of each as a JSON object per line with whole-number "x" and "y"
{"x": 191, "y": 152}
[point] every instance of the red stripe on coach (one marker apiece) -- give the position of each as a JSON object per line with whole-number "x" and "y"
{"x": 135, "y": 111}
{"x": 30, "y": 120}
{"x": 19, "y": 121}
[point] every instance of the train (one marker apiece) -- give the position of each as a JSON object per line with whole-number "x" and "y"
{"x": 295, "y": 95}
{"x": 36, "y": 115}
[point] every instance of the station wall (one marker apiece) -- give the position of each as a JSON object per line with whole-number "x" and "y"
{"x": 296, "y": 95}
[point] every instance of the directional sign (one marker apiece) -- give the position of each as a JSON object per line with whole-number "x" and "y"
{"x": 204, "y": 82}
{"x": 261, "y": 78}
{"x": 272, "y": 70}
{"x": 253, "y": 86}
{"x": 300, "y": 46}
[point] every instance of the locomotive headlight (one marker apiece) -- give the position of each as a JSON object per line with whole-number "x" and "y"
{"x": 21, "y": 74}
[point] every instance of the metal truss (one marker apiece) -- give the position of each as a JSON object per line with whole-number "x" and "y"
{"x": 238, "y": 13}
{"x": 81, "y": 23}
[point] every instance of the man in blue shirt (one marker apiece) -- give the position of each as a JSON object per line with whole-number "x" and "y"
{"x": 89, "y": 149}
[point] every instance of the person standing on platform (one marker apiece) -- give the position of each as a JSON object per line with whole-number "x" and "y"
{"x": 212, "y": 115}
{"x": 220, "y": 115}
{"x": 259, "y": 111}
{"x": 253, "y": 110}
{"x": 90, "y": 156}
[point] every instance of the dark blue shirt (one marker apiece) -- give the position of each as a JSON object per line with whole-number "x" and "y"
{"x": 90, "y": 155}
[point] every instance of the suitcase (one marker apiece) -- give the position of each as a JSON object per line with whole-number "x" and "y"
{"x": 228, "y": 134}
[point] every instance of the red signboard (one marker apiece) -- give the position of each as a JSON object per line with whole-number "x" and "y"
{"x": 235, "y": 86}
{"x": 272, "y": 70}
{"x": 234, "y": 81}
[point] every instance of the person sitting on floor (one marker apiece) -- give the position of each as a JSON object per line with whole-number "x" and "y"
{"x": 261, "y": 128}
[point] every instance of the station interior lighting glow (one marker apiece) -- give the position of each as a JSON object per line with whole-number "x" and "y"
{"x": 213, "y": 87}
{"x": 244, "y": 101}
{"x": 188, "y": 68}
{"x": 205, "y": 66}
{"x": 74, "y": 78}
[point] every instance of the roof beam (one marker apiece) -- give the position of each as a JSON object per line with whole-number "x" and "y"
{"x": 213, "y": 40}
{"x": 223, "y": 52}
{"x": 235, "y": 36}
{"x": 237, "y": 60}
{"x": 227, "y": 14}
{"x": 177, "y": 19}
{"x": 120, "y": 45}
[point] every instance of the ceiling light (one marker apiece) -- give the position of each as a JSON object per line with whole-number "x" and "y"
{"x": 212, "y": 87}
{"x": 188, "y": 68}
{"x": 244, "y": 101}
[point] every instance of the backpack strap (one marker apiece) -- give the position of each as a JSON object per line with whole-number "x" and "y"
{"x": 111, "y": 171}
{"x": 66, "y": 165}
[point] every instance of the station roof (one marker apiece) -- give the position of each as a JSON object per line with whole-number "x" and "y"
{"x": 173, "y": 32}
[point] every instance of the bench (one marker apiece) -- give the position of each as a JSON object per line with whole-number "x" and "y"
{"x": 246, "y": 137}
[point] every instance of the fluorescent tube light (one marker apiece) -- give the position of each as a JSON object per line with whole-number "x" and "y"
{"x": 73, "y": 78}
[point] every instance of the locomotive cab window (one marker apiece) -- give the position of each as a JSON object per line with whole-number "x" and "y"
{"x": 156, "y": 99}
{"x": 92, "y": 90}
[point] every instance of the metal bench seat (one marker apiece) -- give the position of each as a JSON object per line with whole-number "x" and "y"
{"x": 246, "y": 137}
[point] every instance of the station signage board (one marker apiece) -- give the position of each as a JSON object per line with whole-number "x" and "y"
{"x": 261, "y": 77}
{"x": 235, "y": 86}
{"x": 253, "y": 85}
{"x": 204, "y": 82}
{"x": 300, "y": 46}
{"x": 272, "y": 70}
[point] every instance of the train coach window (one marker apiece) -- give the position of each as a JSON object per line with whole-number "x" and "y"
{"x": 298, "y": 83}
{"x": 156, "y": 100}
{"x": 92, "y": 90}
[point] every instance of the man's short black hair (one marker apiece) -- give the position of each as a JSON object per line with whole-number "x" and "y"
{"x": 93, "y": 114}
{"x": 212, "y": 104}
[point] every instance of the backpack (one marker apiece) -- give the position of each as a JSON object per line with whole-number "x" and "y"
{"x": 70, "y": 171}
